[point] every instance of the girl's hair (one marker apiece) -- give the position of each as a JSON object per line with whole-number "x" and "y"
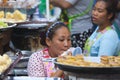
{"x": 50, "y": 31}
{"x": 112, "y": 7}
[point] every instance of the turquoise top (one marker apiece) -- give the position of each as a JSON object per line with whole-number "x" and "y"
{"x": 105, "y": 43}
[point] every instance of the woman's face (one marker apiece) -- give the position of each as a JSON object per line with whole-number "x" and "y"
{"x": 99, "y": 13}
{"x": 61, "y": 42}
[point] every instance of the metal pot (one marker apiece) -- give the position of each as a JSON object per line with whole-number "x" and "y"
{"x": 26, "y": 53}
{"x": 24, "y": 60}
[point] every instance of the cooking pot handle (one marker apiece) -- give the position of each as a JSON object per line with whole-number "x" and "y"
{"x": 5, "y": 73}
{"x": 13, "y": 48}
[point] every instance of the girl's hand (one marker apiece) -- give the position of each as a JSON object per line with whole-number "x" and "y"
{"x": 58, "y": 73}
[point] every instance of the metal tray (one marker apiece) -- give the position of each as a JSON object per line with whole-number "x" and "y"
{"x": 32, "y": 25}
{"x": 90, "y": 70}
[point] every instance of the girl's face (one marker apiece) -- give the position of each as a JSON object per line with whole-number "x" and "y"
{"x": 99, "y": 13}
{"x": 61, "y": 42}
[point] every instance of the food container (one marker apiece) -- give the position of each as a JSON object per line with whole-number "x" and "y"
{"x": 87, "y": 73}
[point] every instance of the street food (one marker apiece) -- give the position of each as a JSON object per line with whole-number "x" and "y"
{"x": 13, "y": 17}
{"x": 9, "y": 15}
{"x": 5, "y": 61}
{"x": 79, "y": 61}
{"x": 104, "y": 59}
{"x": 1, "y": 14}
{"x": 19, "y": 16}
{"x": 117, "y": 59}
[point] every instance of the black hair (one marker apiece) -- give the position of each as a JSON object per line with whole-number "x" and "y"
{"x": 112, "y": 7}
{"x": 50, "y": 31}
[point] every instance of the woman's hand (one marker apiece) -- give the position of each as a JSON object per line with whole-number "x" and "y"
{"x": 58, "y": 73}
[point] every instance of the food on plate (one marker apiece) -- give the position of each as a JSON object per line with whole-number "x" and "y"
{"x": 104, "y": 59}
{"x": 93, "y": 64}
{"x": 9, "y": 15}
{"x": 117, "y": 59}
{"x": 114, "y": 64}
{"x": 3, "y": 24}
{"x": 1, "y": 14}
{"x": 5, "y": 61}
{"x": 80, "y": 61}
{"x": 16, "y": 16}
{"x": 19, "y": 16}
{"x": 79, "y": 57}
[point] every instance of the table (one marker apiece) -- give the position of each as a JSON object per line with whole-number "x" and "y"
{"x": 31, "y": 78}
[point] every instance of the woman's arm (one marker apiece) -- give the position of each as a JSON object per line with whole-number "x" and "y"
{"x": 35, "y": 66}
{"x": 63, "y": 3}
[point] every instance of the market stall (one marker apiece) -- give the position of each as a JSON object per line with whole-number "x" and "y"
{"x": 28, "y": 17}
{"x": 23, "y": 32}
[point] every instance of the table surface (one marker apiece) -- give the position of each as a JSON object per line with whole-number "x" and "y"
{"x": 31, "y": 78}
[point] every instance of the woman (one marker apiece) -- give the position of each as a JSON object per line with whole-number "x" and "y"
{"x": 104, "y": 40}
{"x": 78, "y": 16}
{"x": 57, "y": 40}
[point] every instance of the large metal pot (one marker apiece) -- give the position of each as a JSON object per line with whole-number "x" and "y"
{"x": 24, "y": 60}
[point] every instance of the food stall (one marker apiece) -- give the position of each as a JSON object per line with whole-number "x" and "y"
{"x": 30, "y": 23}
{"x": 24, "y": 29}
{"x": 10, "y": 15}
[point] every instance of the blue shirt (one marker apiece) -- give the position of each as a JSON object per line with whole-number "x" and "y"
{"x": 106, "y": 44}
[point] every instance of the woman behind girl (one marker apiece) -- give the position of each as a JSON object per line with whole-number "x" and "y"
{"x": 104, "y": 40}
